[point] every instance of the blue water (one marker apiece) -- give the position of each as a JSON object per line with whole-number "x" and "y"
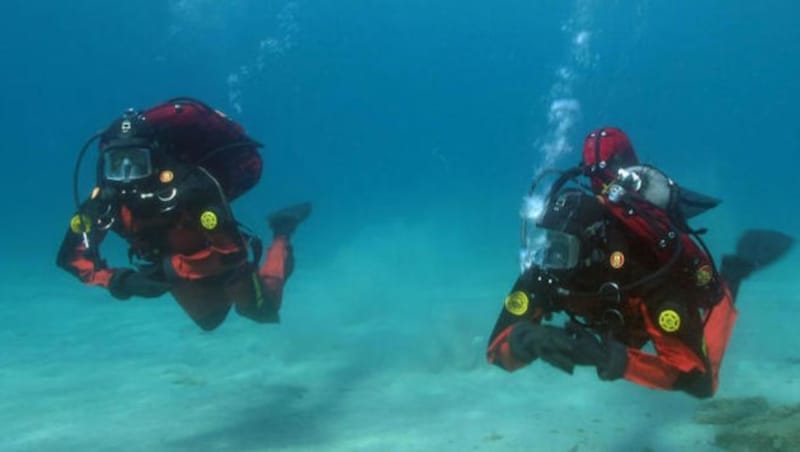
{"x": 414, "y": 127}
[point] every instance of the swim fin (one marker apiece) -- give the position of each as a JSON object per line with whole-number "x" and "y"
{"x": 284, "y": 221}
{"x": 756, "y": 249}
{"x": 763, "y": 247}
{"x": 691, "y": 203}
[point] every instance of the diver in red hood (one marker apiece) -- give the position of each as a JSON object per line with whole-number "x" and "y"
{"x": 620, "y": 260}
{"x": 165, "y": 179}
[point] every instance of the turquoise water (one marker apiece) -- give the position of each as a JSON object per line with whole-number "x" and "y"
{"x": 414, "y": 127}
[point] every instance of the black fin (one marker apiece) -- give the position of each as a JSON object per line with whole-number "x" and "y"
{"x": 692, "y": 203}
{"x": 762, "y": 247}
{"x": 756, "y": 249}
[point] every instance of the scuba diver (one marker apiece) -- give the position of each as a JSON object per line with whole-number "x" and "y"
{"x": 618, "y": 257}
{"x": 165, "y": 179}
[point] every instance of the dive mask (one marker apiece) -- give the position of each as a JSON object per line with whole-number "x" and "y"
{"x": 126, "y": 164}
{"x": 549, "y": 249}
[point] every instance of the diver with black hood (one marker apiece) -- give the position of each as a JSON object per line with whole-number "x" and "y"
{"x": 618, "y": 257}
{"x": 166, "y": 177}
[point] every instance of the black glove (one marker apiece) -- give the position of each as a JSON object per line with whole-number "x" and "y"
{"x": 127, "y": 283}
{"x": 568, "y": 347}
{"x": 554, "y": 345}
{"x": 607, "y": 354}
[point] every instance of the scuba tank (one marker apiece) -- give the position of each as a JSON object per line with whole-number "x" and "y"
{"x": 655, "y": 187}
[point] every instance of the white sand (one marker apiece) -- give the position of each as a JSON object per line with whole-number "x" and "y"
{"x": 367, "y": 358}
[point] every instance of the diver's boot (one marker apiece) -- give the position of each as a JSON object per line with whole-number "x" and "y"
{"x": 284, "y": 221}
{"x": 756, "y": 249}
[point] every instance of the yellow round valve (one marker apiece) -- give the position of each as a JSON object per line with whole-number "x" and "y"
{"x": 209, "y": 220}
{"x": 704, "y": 275}
{"x": 517, "y": 303}
{"x": 669, "y": 320}
{"x": 80, "y": 224}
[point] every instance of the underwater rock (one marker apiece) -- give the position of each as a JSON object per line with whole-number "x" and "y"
{"x": 728, "y": 411}
{"x": 776, "y": 430}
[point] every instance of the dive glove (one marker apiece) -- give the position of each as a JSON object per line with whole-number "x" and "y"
{"x": 608, "y": 355}
{"x": 529, "y": 341}
{"x": 568, "y": 347}
{"x": 127, "y": 283}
